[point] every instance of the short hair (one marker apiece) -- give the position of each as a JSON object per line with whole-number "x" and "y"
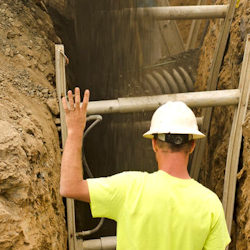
{"x": 165, "y": 146}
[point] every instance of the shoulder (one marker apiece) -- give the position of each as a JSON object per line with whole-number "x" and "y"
{"x": 211, "y": 201}
{"x": 133, "y": 174}
{"x": 120, "y": 178}
{"x": 130, "y": 177}
{"x": 207, "y": 196}
{"x": 208, "y": 192}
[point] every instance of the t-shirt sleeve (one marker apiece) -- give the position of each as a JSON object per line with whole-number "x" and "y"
{"x": 107, "y": 195}
{"x": 218, "y": 237}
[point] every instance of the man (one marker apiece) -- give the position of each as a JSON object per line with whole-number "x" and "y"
{"x": 163, "y": 210}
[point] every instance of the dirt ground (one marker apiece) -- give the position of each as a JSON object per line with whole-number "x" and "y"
{"x": 31, "y": 210}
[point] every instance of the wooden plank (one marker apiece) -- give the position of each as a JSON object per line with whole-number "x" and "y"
{"x": 194, "y": 30}
{"x": 61, "y": 90}
{"x": 212, "y": 85}
{"x": 235, "y": 138}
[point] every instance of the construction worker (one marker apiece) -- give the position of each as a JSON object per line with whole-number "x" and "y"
{"x": 164, "y": 210}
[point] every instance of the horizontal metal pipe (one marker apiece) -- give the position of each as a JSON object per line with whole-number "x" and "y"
{"x": 150, "y": 103}
{"x": 185, "y": 12}
{"x": 104, "y": 243}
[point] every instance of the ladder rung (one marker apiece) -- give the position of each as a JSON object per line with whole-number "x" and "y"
{"x": 150, "y": 103}
{"x": 185, "y": 12}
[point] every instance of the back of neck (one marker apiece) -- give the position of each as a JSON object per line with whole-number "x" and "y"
{"x": 174, "y": 164}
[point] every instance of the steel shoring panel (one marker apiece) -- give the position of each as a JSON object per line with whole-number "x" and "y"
{"x": 206, "y": 98}
{"x": 203, "y": 13}
{"x": 235, "y": 138}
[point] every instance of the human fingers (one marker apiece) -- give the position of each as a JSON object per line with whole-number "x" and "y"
{"x": 65, "y": 106}
{"x": 71, "y": 101}
{"x": 77, "y": 98}
{"x": 85, "y": 101}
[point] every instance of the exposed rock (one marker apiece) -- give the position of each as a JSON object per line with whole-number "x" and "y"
{"x": 10, "y": 231}
{"x": 53, "y": 106}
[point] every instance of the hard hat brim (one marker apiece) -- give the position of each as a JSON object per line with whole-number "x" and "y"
{"x": 196, "y": 133}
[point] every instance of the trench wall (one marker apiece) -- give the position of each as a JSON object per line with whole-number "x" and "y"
{"x": 213, "y": 166}
{"x": 31, "y": 209}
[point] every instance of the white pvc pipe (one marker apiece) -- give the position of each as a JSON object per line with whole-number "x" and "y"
{"x": 184, "y": 12}
{"x": 150, "y": 103}
{"x": 104, "y": 243}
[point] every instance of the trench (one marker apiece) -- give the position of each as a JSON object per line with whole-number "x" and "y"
{"x": 113, "y": 57}
{"x": 117, "y": 54}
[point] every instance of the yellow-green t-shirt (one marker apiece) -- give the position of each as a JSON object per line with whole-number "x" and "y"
{"x": 159, "y": 212}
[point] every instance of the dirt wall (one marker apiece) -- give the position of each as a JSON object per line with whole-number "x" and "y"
{"x": 31, "y": 209}
{"x": 213, "y": 167}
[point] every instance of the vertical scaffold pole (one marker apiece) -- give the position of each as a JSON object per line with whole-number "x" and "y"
{"x": 212, "y": 85}
{"x": 61, "y": 90}
{"x": 235, "y": 138}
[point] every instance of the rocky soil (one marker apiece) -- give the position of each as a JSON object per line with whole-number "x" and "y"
{"x": 213, "y": 168}
{"x": 31, "y": 209}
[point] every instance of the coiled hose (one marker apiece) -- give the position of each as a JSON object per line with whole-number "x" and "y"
{"x": 97, "y": 119}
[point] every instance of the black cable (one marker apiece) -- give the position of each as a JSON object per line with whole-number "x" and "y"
{"x": 97, "y": 119}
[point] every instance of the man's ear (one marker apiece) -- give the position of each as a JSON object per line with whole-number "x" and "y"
{"x": 192, "y": 147}
{"x": 154, "y": 145}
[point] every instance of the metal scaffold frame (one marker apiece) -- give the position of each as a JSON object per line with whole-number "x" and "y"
{"x": 184, "y": 12}
{"x": 212, "y": 85}
{"x": 238, "y": 97}
{"x": 61, "y": 91}
{"x": 150, "y": 103}
{"x": 236, "y": 138}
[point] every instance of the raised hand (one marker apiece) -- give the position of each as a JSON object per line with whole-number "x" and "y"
{"x": 75, "y": 111}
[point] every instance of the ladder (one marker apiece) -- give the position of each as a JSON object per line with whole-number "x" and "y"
{"x": 209, "y": 99}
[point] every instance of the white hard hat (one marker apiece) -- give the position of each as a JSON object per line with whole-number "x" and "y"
{"x": 174, "y": 118}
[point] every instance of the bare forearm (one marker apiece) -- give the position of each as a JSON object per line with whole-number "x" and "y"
{"x": 71, "y": 167}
